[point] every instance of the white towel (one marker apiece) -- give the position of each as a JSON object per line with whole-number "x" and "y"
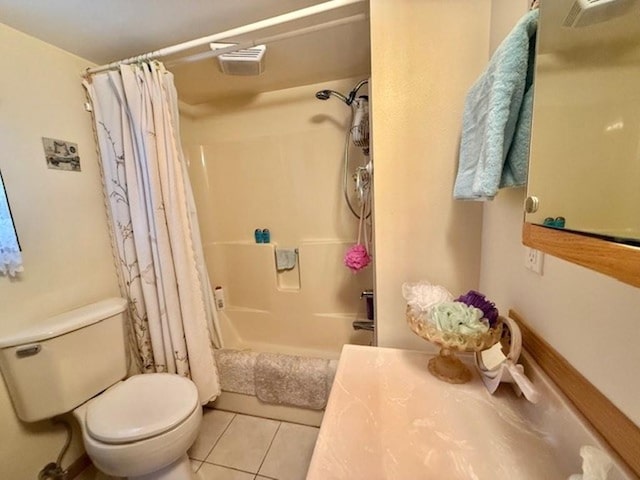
{"x": 286, "y": 258}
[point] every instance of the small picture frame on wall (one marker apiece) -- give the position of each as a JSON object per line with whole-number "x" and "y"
{"x": 61, "y": 154}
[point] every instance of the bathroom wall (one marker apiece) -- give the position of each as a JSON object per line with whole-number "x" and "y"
{"x": 425, "y": 56}
{"x": 591, "y": 319}
{"x": 275, "y": 161}
{"x": 59, "y": 217}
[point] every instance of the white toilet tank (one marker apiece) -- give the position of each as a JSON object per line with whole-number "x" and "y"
{"x": 62, "y": 362}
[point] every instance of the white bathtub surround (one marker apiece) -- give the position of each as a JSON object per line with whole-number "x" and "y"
{"x": 154, "y": 227}
{"x": 387, "y": 417}
{"x": 233, "y": 146}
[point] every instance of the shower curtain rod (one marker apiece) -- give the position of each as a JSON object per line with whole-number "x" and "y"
{"x": 265, "y": 40}
{"x": 252, "y": 27}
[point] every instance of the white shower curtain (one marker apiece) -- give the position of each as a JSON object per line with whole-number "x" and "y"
{"x": 154, "y": 226}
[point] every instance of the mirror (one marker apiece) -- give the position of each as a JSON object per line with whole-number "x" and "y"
{"x": 584, "y": 166}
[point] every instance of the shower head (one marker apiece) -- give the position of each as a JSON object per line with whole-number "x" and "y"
{"x": 326, "y": 94}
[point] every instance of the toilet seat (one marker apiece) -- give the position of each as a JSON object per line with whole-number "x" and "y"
{"x": 141, "y": 407}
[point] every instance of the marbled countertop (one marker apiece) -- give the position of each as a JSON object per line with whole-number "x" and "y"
{"x": 389, "y": 418}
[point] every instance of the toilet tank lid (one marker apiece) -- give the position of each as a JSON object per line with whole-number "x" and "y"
{"x": 64, "y": 323}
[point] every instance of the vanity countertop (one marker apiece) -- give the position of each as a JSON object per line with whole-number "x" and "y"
{"x": 389, "y": 418}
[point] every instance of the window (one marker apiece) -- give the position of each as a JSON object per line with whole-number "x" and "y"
{"x": 10, "y": 256}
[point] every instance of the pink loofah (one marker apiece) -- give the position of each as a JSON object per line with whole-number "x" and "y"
{"x": 357, "y": 257}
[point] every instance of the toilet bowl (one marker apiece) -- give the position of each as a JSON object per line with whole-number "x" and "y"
{"x": 141, "y": 428}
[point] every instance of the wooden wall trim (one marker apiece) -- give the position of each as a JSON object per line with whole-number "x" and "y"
{"x": 614, "y": 259}
{"x": 622, "y": 435}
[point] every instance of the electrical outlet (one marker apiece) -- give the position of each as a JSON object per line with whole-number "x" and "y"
{"x": 533, "y": 260}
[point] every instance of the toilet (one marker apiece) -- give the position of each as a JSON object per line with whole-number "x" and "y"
{"x": 139, "y": 428}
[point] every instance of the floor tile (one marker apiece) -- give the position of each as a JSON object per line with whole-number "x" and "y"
{"x": 244, "y": 444}
{"x": 290, "y": 452}
{"x": 215, "y": 472}
{"x": 195, "y": 464}
{"x": 214, "y": 423}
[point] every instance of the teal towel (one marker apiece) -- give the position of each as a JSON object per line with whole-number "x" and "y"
{"x": 496, "y": 124}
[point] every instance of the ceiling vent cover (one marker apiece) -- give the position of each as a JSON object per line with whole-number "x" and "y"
{"x": 248, "y": 61}
{"x": 589, "y": 12}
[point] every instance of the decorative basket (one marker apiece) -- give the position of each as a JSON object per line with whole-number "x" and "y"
{"x": 446, "y": 366}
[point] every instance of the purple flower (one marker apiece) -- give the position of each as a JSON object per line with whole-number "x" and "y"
{"x": 478, "y": 300}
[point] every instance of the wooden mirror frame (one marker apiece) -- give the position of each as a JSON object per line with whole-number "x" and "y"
{"x": 614, "y": 259}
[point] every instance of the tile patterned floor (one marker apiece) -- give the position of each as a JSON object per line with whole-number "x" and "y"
{"x": 240, "y": 447}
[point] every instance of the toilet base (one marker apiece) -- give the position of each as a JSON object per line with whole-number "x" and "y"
{"x": 178, "y": 470}
{"x": 163, "y": 457}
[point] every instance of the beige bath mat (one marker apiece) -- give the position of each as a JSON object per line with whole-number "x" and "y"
{"x": 236, "y": 369}
{"x": 291, "y": 380}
